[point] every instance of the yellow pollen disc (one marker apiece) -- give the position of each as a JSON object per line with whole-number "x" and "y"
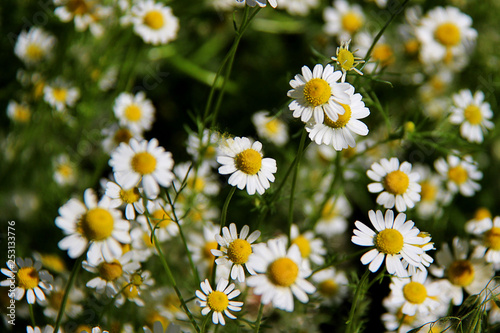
{"x": 78, "y": 7}
{"x": 34, "y": 52}
{"x": 249, "y": 161}
{"x": 389, "y": 241}
{"x": 458, "y": 175}
{"x": 122, "y": 135}
{"x": 27, "y": 278}
{"x": 384, "y": 54}
{"x": 317, "y": 92}
{"x": 408, "y": 320}
{"x": 110, "y": 271}
{"x": 346, "y": 59}
{"x": 342, "y": 120}
{"x": 217, "y": 301}
{"x": 412, "y": 46}
{"x": 97, "y": 224}
{"x": 130, "y": 196}
{"x": 147, "y": 240}
{"x": 428, "y": 191}
{"x": 349, "y": 152}
{"x": 60, "y": 94}
{"x": 283, "y": 272}
{"x": 83, "y": 329}
{"x": 304, "y": 246}
{"x": 131, "y": 291}
{"x": 209, "y": 152}
{"x": 209, "y": 246}
{"x": 238, "y": 251}
{"x": 328, "y": 288}
{"x": 161, "y": 218}
{"x": 154, "y": 19}
{"x": 482, "y": 213}
{"x": 396, "y": 182}
{"x": 409, "y": 127}
{"x": 133, "y": 112}
{"x": 65, "y": 170}
{"x": 447, "y": 34}
{"x": 351, "y": 22}
{"x": 143, "y": 163}
{"x": 53, "y": 262}
{"x": 492, "y": 238}
{"x": 136, "y": 279}
{"x": 154, "y": 317}
{"x": 125, "y": 248}
{"x": 55, "y": 299}
{"x": 437, "y": 84}
{"x": 473, "y": 114}
{"x": 38, "y": 89}
{"x": 198, "y": 185}
{"x": 272, "y": 126}
{"x": 461, "y": 273}
{"x": 415, "y": 292}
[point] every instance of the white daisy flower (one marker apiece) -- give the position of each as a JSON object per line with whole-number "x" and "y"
{"x": 30, "y": 279}
{"x": 382, "y": 54}
{"x": 97, "y": 329}
{"x": 141, "y": 244}
{"x": 36, "y": 329}
{"x": 131, "y": 198}
{"x": 243, "y": 160}
{"x": 472, "y": 114}
{"x": 392, "y": 240}
{"x": 339, "y": 133}
{"x": 236, "y": 250}
{"x": 145, "y": 162}
{"x": 332, "y": 285}
{"x": 270, "y": 128}
{"x": 489, "y": 245}
{"x": 397, "y": 183}
{"x": 161, "y": 219}
{"x": 444, "y": 32}
{"x": 134, "y": 284}
{"x": 432, "y": 194}
{"x": 426, "y": 259}
{"x": 115, "y": 135}
{"x": 310, "y": 248}
{"x": 203, "y": 181}
{"x": 73, "y": 302}
{"x": 204, "y": 149}
{"x": 260, "y": 3}
{"x": 154, "y": 22}
{"x": 85, "y": 13}
{"x": 480, "y": 222}
{"x": 60, "y": 95}
{"x": 343, "y": 20}
{"x": 225, "y": 5}
{"x": 64, "y": 170}
{"x": 460, "y": 174}
{"x": 281, "y": 274}
{"x": 134, "y": 111}
{"x": 218, "y": 301}
{"x": 34, "y": 46}
{"x": 333, "y": 218}
{"x": 317, "y": 93}
{"x": 298, "y": 7}
{"x": 18, "y": 112}
{"x": 95, "y": 223}
{"x": 346, "y": 60}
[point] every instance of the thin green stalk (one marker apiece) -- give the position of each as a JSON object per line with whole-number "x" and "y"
{"x": 259, "y": 318}
{"x": 294, "y": 181}
{"x": 32, "y": 315}
{"x": 74, "y": 273}
{"x": 360, "y": 288}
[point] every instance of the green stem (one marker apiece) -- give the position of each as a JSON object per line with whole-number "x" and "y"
{"x": 74, "y": 273}
{"x": 360, "y": 289}
{"x": 294, "y": 181}
{"x": 259, "y": 318}
{"x": 32, "y": 315}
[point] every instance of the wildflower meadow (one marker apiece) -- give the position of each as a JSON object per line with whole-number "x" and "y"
{"x": 249, "y": 166}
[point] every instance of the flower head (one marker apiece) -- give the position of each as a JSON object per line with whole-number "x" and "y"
{"x": 34, "y": 46}
{"x": 346, "y": 60}
{"x": 460, "y": 174}
{"x": 343, "y": 20}
{"x": 134, "y": 111}
{"x": 218, "y": 301}
{"x": 260, "y": 3}
{"x": 154, "y": 22}
{"x": 270, "y": 128}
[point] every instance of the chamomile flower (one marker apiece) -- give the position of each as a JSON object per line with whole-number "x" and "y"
{"x": 260, "y": 3}
{"x": 243, "y": 160}
{"x": 339, "y": 133}
{"x": 85, "y": 13}
{"x": 201, "y": 246}
{"x": 18, "y": 112}
{"x": 343, "y": 20}
{"x": 36, "y": 329}
{"x": 204, "y": 148}
{"x": 346, "y": 60}
{"x": 131, "y": 198}
{"x": 311, "y": 248}
{"x": 432, "y": 194}
{"x": 333, "y": 218}
{"x": 30, "y": 279}
{"x": 489, "y": 245}
{"x": 482, "y": 217}
{"x": 382, "y": 54}
{"x": 161, "y": 218}
{"x": 460, "y": 174}
{"x": 34, "y": 46}
{"x": 397, "y": 183}
{"x": 332, "y": 285}
{"x": 298, "y": 7}
{"x": 115, "y": 135}
{"x": 392, "y": 240}
{"x": 95, "y": 223}
{"x": 54, "y": 300}
{"x": 473, "y": 115}
{"x": 60, "y": 95}
{"x": 64, "y": 170}
{"x": 133, "y": 286}
{"x": 145, "y": 162}
{"x": 154, "y": 22}
{"x": 236, "y": 250}
{"x": 281, "y": 274}
{"x": 270, "y": 128}
{"x": 318, "y": 93}
{"x": 201, "y": 181}
{"x": 218, "y": 301}
{"x": 134, "y": 111}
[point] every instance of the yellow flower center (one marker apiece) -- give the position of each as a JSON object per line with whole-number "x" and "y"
{"x": 238, "y": 251}
{"x": 283, "y": 272}
{"x": 130, "y": 196}
{"x": 27, "y": 278}
{"x": 154, "y": 19}
{"x": 172, "y": 303}
{"x": 396, "y": 182}
{"x": 342, "y": 120}
{"x": 328, "y": 288}
{"x": 122, "y": 135}
{"x": 351, "y": 22}
{"x": 131, "y": 291}
{"x": 78, "y": 7}
{"x": 492, "y": 238}
{"x": 53, "y": 262}
{"x": 161, "y": 218}
{"x": 272, "y": 126}
{"x": 65, "y": 170}
{"x": 143, "y": 163}
{"x": 412, "y": 46}
{"x": 209, "y": 152}
{"x": 428, "y": 191}
{"x": 97, "y": 224}
{"x": 154, "y": 317}
{"x": 384, "y": 54}
{"x": 415, "y": 292}
{"x": 389, "y": 241}
{"x": 34, "y": 52}
{"x": 55, "y": 299}
{"x": 136, "y": 279}
{"x": 198, "y": 185}
{"x": 461, "y": 273}
{"x": 458, "y": 174}
{"x": 133, "y": 112}
{"x": 38, "y": 89}
{"x": 249, "y": 161}
{"x": 473, "y": 114}
{"x": 217, "y": 301}
{"x": 147, "y": 240}
{"x": 110, "y": 271}
{"x": 346, "y": 59}
{"x": 304, "y": 246}
{"x": 408, "y": 320}
{"x": 317, "y": 91}
{"x": 328, "y": 212}
{"x": 60, "y": 94}
{"x": 209, "y": 246}
{"x": 482, "y": 213}
{"x": 447, "y": 34}
{"x": 83, "y": 329}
